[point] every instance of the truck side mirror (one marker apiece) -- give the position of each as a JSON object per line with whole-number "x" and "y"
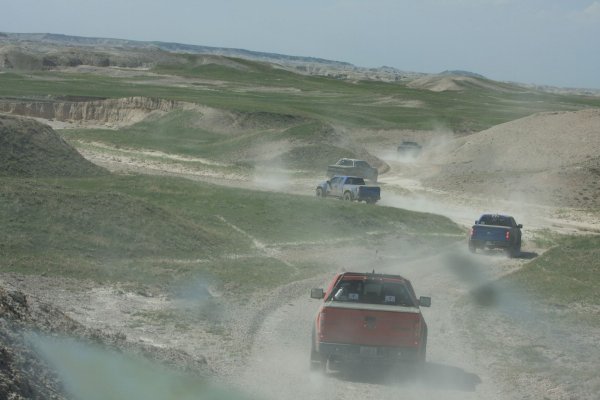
{"x": 317, "y": 293}
{"x": 425, "y": 301}
{"x": 520, "y": 226}
{"x": 476, "y": 222}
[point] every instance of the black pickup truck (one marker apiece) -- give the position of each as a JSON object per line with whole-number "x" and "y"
{"x": 494, "y": 231}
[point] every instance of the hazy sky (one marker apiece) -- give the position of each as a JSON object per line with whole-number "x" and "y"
{"x": 555, "y": 42}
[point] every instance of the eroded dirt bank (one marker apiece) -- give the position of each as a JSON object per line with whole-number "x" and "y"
{"x": 112, "y": 112}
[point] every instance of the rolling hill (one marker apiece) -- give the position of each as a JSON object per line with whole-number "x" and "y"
{"x": 31, "y": 149}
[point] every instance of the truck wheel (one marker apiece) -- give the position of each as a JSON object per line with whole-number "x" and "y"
{"x": 370, "y": 201}
{"x": 514, "y": 251}
{"x": 318, "y": 363}
{"x": 348, "y": 196}
{"x": 423, "y": 350}
{"x": 320, "y": 193}
{"x": 472, "y": 248}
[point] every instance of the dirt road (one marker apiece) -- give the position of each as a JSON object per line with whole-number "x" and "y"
{"x": 278, "y": 365}
{"x": 456, "y": 368}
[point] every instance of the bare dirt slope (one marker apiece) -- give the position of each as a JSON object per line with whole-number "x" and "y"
{"x": 546, "y": 158}
{"x": 444, "y": 83}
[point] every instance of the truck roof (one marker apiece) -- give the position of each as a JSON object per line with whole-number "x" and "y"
{"x": 495, "y": 215}
{"x": 351, "y": 159}
{"x": 346, "y": 176}
{"x": 371, "y": 275}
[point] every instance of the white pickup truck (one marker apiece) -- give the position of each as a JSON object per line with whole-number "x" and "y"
{"x": 349, "y": 188}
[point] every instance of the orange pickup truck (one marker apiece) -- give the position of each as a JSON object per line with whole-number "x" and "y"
{"x": 368, "y": 317}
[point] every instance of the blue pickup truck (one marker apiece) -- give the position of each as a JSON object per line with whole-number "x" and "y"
{"x": 494, "y": 231}
{"x": 350, "y": 188}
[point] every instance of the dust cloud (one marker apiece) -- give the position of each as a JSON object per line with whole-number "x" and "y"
{"x": 270, "y": 171}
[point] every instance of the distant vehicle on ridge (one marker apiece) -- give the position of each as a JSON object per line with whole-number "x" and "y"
{"x": 409, "y": 149}
{"x": 353, "y": 167}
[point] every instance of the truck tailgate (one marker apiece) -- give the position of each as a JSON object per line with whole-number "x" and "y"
{"x": 369, "y": 192}
{"x": 370, "y": 324}
{"x": 490, "y": 233}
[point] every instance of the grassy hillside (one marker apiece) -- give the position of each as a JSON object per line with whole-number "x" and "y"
{"x": 363, "y": 104}
{"x": 566, "y": 276}
{"x": 549, "y": 310}
{"x": 151, "y": 230}
{"x": 265, "y": 139}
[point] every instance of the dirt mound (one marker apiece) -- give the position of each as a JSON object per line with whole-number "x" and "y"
{"x": 443, "y": 83}
{"x": 31, "y": 149}
{"x": 535, "y": 143}
{"x": 552, "y": 158}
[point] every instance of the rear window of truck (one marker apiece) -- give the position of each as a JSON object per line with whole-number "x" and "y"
{"x": 497, "y": 220}
{"x": 355, "y": 181}
{"x": 372, "y": 292}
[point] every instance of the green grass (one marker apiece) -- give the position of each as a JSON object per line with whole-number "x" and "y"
{"x": 172, "y": 133}
{"x": 176, "y": 133}
{"x": 268, "y": 216}
{"x": 567, "y": 274}
{"x": 161, "y": 231}
{"x": 331, "y": 101}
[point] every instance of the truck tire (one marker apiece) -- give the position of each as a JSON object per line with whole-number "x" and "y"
{"x": 348, "y": 196}
{"x": 514, "y": 251}
{"x": 423, "y": 350}
{"x": 370, "y": 201}
{"x": 320, "y": 193}
{"x": 472, "y": 248}
{"x": 318, "y": 363}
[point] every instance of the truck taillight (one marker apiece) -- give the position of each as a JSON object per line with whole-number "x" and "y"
{"x": 507, "y": 235}
{"x": 321, "y": 323}
{"x": 472, "y": 232}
